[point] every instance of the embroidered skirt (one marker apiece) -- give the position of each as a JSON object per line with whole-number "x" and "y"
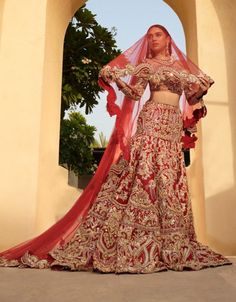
{"x": 141, "y": 221}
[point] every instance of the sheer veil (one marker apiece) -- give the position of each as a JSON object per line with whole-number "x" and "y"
{"x": 126, "y": 112}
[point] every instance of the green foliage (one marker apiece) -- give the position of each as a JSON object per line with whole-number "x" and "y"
{"x": 76, "y": 139}
{"x": 102, "y": 143}
{"x": 87, "y": 47}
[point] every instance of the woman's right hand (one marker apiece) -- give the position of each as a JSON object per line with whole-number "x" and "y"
{"x": 106, "y": 74}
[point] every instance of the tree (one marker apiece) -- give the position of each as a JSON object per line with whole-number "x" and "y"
{"x": 102, "y": 142}
{"x": 88, "y": 46}
{"x": 76, "y": 139}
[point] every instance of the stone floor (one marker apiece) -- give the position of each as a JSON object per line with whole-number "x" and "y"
{"x": 33, "y": 285}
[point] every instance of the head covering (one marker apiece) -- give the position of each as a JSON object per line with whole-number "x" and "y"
{"x": 126, "y": 111}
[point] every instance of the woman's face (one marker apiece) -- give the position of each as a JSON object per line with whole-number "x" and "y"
{"x": 157, "y": 40}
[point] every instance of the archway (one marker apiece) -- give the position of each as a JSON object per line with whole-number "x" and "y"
{"x": 39, "y": 185}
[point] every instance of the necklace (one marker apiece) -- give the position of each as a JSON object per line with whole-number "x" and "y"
{"x": 168, "y": 61}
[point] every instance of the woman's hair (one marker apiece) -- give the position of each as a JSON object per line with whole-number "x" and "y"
{"x": 161, "y": 27}
{"x": 165, "y": 31}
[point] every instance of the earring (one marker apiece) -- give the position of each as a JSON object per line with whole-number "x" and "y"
{"x": 149, "y": 54}
{"x": 167, "y": 49}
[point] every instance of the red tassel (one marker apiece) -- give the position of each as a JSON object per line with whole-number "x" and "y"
{"x": 189, "y": 122}
{"x": 199, "y": 113}
{"x": 188, "y": 141}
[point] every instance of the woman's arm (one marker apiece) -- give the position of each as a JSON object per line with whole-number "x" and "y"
{"x": 110, "y": 74}
{"x": 134, "y": 90}
{"x": 196, "y": 86}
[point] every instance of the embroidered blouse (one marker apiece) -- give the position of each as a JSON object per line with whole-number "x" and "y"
{"x": 171, "y": 78}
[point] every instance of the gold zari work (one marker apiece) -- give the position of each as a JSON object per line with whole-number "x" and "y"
{"x": 141, "y": 221}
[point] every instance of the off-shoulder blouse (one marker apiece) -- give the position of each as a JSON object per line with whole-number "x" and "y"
{"x": 171, "y": 78}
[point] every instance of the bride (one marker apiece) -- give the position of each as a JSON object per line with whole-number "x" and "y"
{"x": 135, "y": 215}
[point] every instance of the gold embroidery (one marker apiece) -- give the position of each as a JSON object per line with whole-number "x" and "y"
{"x": 6, "y": 262}
{"x": 135, "y": 91}
{"x": 160, "y": 77}
{"x": 142, "y": 220}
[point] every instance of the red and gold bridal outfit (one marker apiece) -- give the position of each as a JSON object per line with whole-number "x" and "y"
{"x": 141, "y": 221}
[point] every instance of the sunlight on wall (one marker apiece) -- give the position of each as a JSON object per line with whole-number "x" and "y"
{"x": 217, "y": 143}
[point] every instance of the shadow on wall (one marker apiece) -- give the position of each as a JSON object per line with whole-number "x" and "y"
{"x": 223, "y": 205}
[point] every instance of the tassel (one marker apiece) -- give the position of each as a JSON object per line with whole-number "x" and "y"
{"x": 188, "y": 140}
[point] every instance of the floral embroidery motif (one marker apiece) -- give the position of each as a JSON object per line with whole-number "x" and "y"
{"x": 142, "y": 220}
{"x": 160, "y": 77}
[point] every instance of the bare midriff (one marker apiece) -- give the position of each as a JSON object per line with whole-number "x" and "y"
{"x": 166, "y": 97}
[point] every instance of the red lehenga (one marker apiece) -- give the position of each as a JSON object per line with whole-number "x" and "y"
{"x": 141, "y": 220}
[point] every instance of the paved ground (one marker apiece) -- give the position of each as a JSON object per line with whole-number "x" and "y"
{"x": 210, "y": 284}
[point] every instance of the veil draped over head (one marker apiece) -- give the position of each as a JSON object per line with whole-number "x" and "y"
{"x": 126, "y": 111}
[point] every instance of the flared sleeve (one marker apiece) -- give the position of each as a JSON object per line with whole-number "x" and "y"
{"x": 135, "y": 89}
{"x": 196, "y": 86}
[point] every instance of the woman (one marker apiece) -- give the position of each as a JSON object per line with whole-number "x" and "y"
{"x": 135, "y": 215}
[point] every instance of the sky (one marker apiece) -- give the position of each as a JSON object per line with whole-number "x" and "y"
{"x": 131, "y": 20}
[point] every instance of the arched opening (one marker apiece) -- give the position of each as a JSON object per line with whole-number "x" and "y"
{"x": 189, "y": 23}
{"x": 160, "y": 13}
{"x": 41, "y": 194}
